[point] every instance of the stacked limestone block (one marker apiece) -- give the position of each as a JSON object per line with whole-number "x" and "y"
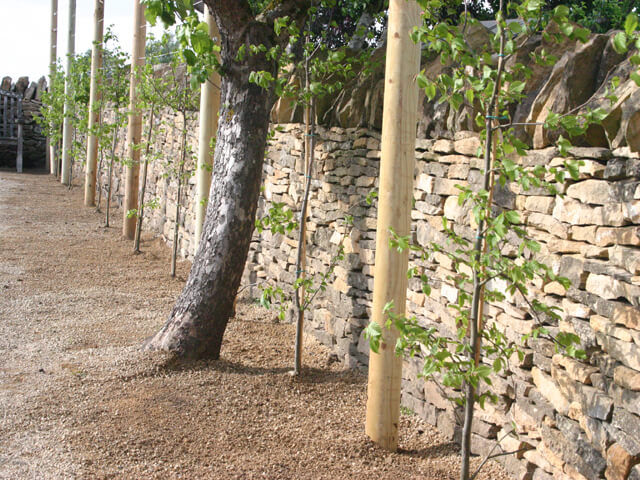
{"x": 574, "y": 419}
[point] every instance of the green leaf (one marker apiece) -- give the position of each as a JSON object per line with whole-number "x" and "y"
{"x": 635, "y": 76}
{"x": 430, "y": 91}
{"x": 512, "y": 217}
{"x": 189, "y": 56}
{"x": 630, "y": 24}
{"x": 373, "y": 333}
{"x": 620, "y": 42}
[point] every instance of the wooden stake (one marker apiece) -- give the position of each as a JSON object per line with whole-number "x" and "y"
{"x": 134, "y": 130}
{"x": 65, "y": 174}
{"x": 209, "y": 106}
{"x": 53, "y": 59}
{"x": 94, "y": 100}
{"x": 394, "y": 211}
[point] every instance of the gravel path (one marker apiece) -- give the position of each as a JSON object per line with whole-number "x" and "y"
{"x": 78, "y": 399}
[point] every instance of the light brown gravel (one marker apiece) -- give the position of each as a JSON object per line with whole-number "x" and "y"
{"x": 78, "y": 399}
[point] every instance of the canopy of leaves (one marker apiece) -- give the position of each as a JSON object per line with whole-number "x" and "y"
{"x": 598, "y": 16}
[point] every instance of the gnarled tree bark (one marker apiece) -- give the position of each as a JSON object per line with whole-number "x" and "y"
{"x": 198, "y": 320}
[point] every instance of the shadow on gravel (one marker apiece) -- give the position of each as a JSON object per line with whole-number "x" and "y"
{"x": 312, "y": 376}
{"x": 432, "y": 451}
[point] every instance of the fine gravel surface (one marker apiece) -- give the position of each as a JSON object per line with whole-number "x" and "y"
{"x": 79, "y": 399}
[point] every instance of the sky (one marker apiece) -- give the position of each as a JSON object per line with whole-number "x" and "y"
{"x": 25, "y": 32}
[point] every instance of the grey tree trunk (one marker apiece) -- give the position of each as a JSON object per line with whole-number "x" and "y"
{"x": 198, "y": 320}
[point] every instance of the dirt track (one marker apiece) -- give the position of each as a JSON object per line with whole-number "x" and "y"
{"x": 78, "y": 399}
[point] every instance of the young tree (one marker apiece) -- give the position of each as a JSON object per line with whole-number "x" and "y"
{"x": 114, "y": 90}
{"x": 198, "y": 320}
{"x": 52, "y": 115}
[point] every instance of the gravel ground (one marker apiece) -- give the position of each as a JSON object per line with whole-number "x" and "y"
{"x": 78, "y": 399}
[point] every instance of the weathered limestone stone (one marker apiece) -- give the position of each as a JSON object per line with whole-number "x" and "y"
{"x": 625, "y": 352}
{"x": 574, "y": 309}
{"x": 572, "y": 446}
{"x": 627, "y": 378}
{"x": 627, "y": 316}
{"x": 635, "y": 473}
{"x": 618, "y": 236}
{"x": 550, "y": 391}
{"x": 596, "y": 432}
{"x": 459, "y": 171}
{"x": 609, "y": 288}
{"x": 443, "y": 146}
{"x": 468, "y": 146}
{"x": 596, "y": 153}
{"x": 425, "y": 183}
{"x": 548, "y": 224}
{"x": 576, "y": 370}
{"x": 604, "y": 325}
{"x": 445, "y": 186}
{"x": 597, "y": 192}
{"x": 619, "y": 463}
{"x": 453, "y": 211}
{"x": 576, "y": 213}
{"x": 539, "y": 204}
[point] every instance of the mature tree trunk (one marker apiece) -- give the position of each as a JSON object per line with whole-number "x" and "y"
{"x": 198, "y": 320}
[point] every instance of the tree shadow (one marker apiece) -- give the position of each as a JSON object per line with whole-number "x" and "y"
{"x": 432, "y": 451}
{"x": 310, "y": 376}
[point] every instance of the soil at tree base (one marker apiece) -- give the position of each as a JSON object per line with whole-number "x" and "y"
{"x": 79, "y": 399}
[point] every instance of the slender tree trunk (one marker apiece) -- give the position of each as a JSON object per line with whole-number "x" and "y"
{"x": 72, "y": 157}
{"x": 475, "y": 339}
{"x": 143, "y": 188}
{"x": 100, "y": 161}
{"x": 301, "y": 263}
{"x": 198, "y": 320}
{"x": 111, "y": 160}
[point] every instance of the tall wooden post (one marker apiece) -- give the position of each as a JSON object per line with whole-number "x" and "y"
{"x": 94, "y": 101}
{"x": 65, "y": 176}
{"x": 53, "y": 60}
{"x": 134, "y": 130}
{"x": 394, "y": 211}
{"x": 209, "y": 106}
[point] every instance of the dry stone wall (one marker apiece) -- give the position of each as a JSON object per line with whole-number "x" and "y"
{"x": 574, "y": 419}
{"x": 577, "y": 419}
{"x": 162, "y": 179}
{"x": 34, "y": 141}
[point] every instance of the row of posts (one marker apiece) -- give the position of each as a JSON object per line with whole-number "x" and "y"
{"x": 209, "y": 106}
{"x": 396, "y": 178}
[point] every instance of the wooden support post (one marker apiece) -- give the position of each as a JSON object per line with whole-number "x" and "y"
{"x": 394, "y": 211}
{"x": 134, "y": 130}
{"x": 53, "y": 59}
{"x": 5, "y": 117}
{"x": 209, "y": 106}
{"x": 20, "y": 147}
{"x": 94, "y": 101}
{"x": 65, "y": 175}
